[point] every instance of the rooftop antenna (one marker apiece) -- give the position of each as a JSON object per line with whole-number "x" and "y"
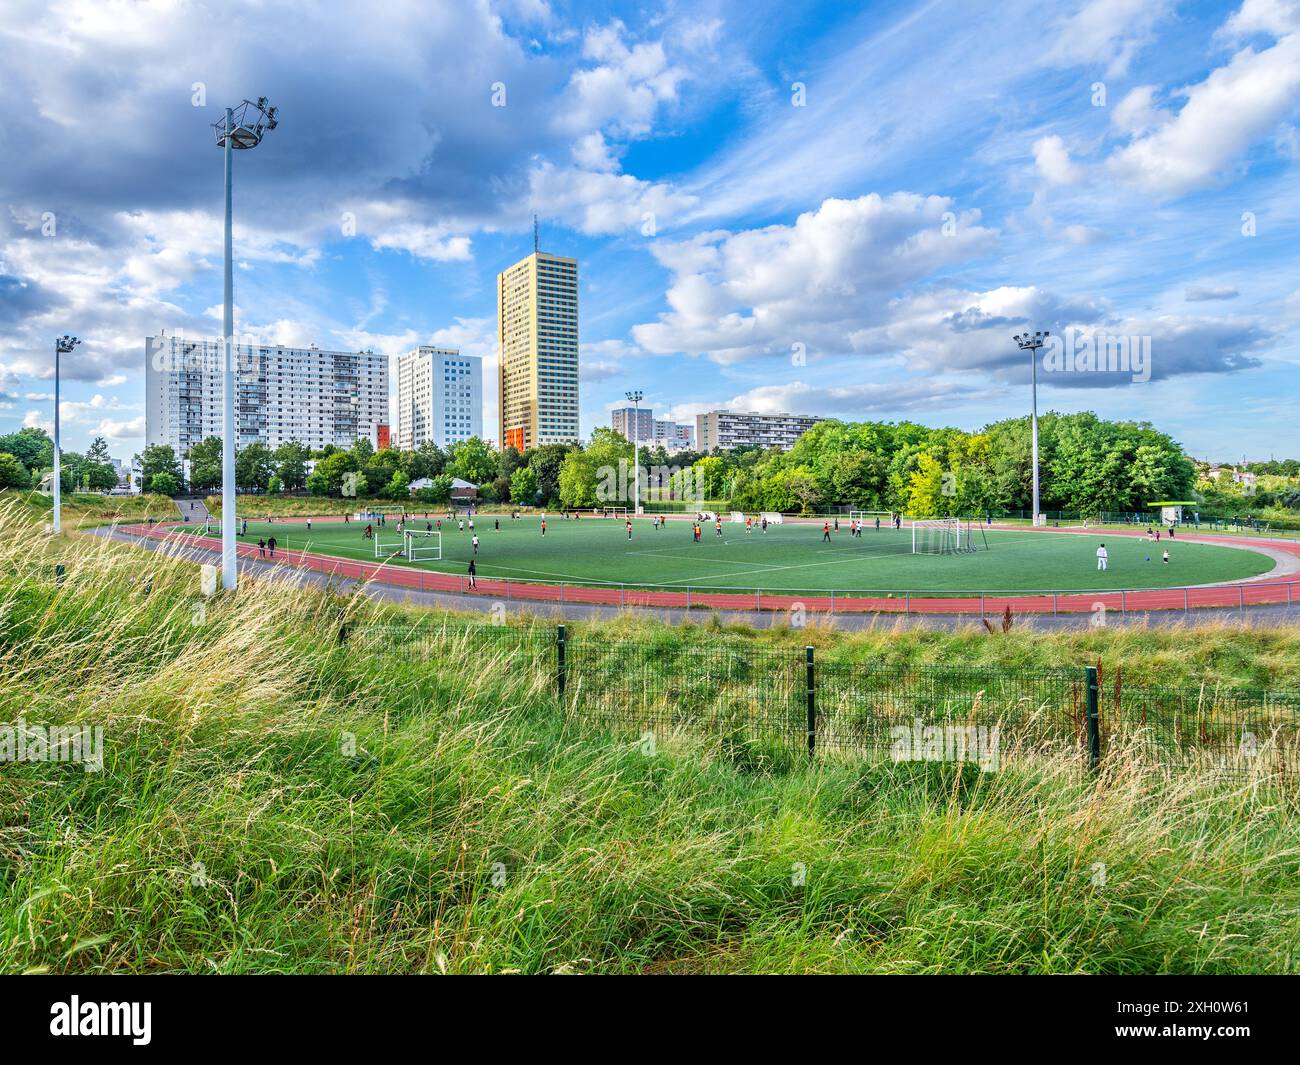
{"x": 536, "y": 245}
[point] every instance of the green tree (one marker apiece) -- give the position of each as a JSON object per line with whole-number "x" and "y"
{"x": 332, "y": 469}
{"x": 13, "y": 474}
{"x": 472, "y": 460}
{"x": 31, "y": 446}
{"x": 523, "y": 486}
{"x": 254, "y": 465}
{"x": 164, "y": 483}
{"x": 399, "y": 487}
{"x": 205, "y": 465}
{"x": 156, "y": 459}
{"x": 291, "y": 464}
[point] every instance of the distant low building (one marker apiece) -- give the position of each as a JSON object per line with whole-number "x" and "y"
{"x": 463, "y": 490}
{"x": 721, "y": 430}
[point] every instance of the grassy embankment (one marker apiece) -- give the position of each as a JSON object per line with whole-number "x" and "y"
{"x": 273, "y": 800}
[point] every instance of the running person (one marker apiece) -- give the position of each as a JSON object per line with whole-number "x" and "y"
{"x": 369, "y": 534}
{"x": 826, "y": 532}
{"x": 543, "y": 526}
{"x": 629, "y": 528}
{"x": 270, "y": 546}
{"x": 717, "y": 525}
{"x": 473, "y": 572}
{"x": 474, "y": 541}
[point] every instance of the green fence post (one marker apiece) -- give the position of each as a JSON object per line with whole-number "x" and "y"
{"x": 812, "y": 701}
{"x": 1094, "y": 718}
{"x": 561, "y": 669}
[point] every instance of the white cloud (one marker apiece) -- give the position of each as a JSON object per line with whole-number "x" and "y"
{"x": 602, "y": 203}
{"x": 1107, "y": 31}
{"x": 1052, "y": 160}
{"x": 624, "y": 91}
{"x": 758, "y": 292}
{"x": 1223, "y": 115}
{"x": 1136, "y": 113}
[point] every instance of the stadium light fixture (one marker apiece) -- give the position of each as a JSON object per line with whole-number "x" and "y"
{"x": 242, "y": 128}
{"x": 1031, "y": 342}
{"x": 635, "y": 399}
{"x": 62, "y": 346}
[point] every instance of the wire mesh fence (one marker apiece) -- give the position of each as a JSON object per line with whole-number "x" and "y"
{"x": 798, "y": 702}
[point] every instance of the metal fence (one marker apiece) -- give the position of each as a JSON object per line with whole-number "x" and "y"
{"x": 767, "y": 701}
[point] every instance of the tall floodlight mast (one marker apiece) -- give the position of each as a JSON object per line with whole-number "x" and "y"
{"x": 242, "y": 128}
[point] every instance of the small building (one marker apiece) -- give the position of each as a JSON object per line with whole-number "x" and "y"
{"x": 463, "y": 491}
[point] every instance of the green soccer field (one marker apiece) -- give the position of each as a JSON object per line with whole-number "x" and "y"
{"x": 786, "y": 558}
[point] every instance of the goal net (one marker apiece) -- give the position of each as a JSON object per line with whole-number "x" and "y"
{"x": 615, "y": 512}
{"x": 212, "y": 528}
{"x": 387, "y": 544}
{"x": 772, "y": 517}
{"x": 422, "y": 546}
{"x": 738, "y": 517}
{"x": 942, "y": 536}
{"x": 868, "y": 517}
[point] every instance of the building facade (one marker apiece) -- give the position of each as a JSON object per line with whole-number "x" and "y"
{"x": 537, "y": 334}
{"x": 724, "y": 429}
{"x": 673, "y": 436}
{"x": 306, "y": 395}
{"x": 439, "y": 397}
{"x": 634, "y": 424}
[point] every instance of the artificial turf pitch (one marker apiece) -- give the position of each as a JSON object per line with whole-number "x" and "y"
{"x": 789, "y": 557}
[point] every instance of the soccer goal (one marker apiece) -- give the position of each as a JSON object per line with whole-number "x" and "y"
{"x": 212, "y": 528}
{"x": 943, "y": 536}
{"x": 738, "y": 517}
{"x": 397, "y": 511}
{"x": 772, "y": 517}
{"x": 422, "y": 546}
{"x": 387, "y": 548}
{"x": 868, "y": 517}
{"x": 615, "y": 512}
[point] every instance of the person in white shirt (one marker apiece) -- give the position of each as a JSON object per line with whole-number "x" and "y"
{"x": 1102, "y": 557}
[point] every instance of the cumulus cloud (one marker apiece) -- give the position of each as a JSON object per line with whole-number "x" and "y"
{"x": 1223, "y": 115}
{"x": 1052, "y": 160}
{"x": 734, "y": 296}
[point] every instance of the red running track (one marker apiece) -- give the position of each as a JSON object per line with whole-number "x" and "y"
{"x": 1282, "y": 588}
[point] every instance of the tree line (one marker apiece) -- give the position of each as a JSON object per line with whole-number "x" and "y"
{"x": 1087, "y": 465}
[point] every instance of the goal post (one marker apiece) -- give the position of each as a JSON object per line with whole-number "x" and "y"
{"x": 422, "y": 546}
{"x": 772, "y": 517}
{"x": 738, "y": 517}
{"x": 885, "y": 516}
{"x": 615, "y": 512}
{"x": 943, "y": 536}
{"x": 387, "y": 548}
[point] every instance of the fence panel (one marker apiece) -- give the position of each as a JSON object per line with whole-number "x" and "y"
{"x": 735, "y": 694}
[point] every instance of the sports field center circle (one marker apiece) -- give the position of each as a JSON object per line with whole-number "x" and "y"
{"x": 1046, "y": 570}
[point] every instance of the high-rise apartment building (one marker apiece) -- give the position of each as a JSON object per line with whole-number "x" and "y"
{"x": 633, "y": 423}
{"x": 439, "y": 397}
{"x": 537, "y": 332}
{"x": 308, "y": 395}
{"x": 723, "y": 429}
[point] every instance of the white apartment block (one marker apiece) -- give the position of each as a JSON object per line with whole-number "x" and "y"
{"x": 439, "y": 397}
{"x": 724, "y": 429}
{"x": 307, "y": 395}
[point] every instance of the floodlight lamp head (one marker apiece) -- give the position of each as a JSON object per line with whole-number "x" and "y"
{"x": 635, "y": 397}
{"x": 246, "y": 129}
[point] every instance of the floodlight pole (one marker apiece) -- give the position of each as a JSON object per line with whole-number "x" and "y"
{"x": 245, "y": 133}
{"x": 229, "y": 569}
{"x": 62, "y": 346}
{"x": 636, "y": 398}
{"x": 1031, "y": 342}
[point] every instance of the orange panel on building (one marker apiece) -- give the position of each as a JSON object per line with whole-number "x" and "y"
{"x": 515, "y": 439}
{"x": 381, "y": 437}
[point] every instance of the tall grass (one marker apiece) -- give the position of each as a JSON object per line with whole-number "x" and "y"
{"x": 277, "y": 796}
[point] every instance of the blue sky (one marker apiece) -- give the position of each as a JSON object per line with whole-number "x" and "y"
{"x": 838, "y": 209}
